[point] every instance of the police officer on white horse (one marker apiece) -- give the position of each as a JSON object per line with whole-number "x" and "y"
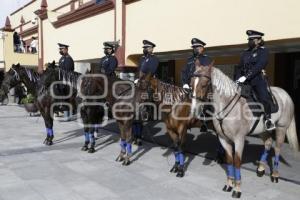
{"x": 252, "y": 63}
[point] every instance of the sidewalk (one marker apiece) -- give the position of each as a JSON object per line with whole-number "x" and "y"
{"x": 30, "y": 170}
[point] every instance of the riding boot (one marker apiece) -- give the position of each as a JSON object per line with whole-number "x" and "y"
{"x": 269, "y": 123}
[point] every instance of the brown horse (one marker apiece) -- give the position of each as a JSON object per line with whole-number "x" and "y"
{"x": 174, "y": 108}
{"x": 120, "y": 98}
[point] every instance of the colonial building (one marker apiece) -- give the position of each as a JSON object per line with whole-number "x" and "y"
{"x": 170, "y": 24}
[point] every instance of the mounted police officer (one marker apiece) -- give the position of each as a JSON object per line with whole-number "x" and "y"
{"x": 66, "y": 62}
{"x": 148, "y": 64}
{"x": 109, "y": 62}
{"x": 253, "y": 61}
{"x": 198, "y": 54}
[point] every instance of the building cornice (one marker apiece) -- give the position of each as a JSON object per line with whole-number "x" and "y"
{"x": 86, "y": 10}
{"x": 30, "y": 31}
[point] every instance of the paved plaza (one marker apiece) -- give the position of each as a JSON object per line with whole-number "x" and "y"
{"x": 31, "y": 171}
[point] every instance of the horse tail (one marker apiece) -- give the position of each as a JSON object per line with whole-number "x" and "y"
{"x": 292, "y": 136}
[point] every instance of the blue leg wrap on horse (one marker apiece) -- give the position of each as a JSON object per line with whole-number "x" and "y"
{"x": 176, "y": 154}
{"x": 128, "y": 148}
{"x": 87, "y": 137}
{"x": 181, "y": 159}
{"x": 123, "y": 145}
{"x": 264, "y": 156}
{"x": 92, "y": 138}
{"x": 49, "y": 131}
{"x": 237, "y": 172}
{"x": 230, "y": 171}
{"x": 276, "y": 162}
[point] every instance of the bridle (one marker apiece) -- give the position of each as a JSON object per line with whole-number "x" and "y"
{"x": 199, "y": 75}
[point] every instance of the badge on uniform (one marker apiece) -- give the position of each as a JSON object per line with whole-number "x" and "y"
{"x": 254, "y": 55}
{"x": 147, "y": 59}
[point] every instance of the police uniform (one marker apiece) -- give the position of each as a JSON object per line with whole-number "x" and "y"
{"x": 189, "y": 69}
{"x": 148, "y": 62}
{"x": 109, "y": 62}
{"x": 66, "y": 62}
{"x": 252, "y": 62}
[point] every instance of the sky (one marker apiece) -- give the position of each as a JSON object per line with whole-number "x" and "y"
{"x": 9, "y": 6}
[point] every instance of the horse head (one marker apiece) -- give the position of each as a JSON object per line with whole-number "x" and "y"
{"x": 11, "y": 78}
{"x": 201, "y": 81}
{"x": 50, "y": 74}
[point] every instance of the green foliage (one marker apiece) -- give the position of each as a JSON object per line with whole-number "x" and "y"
{"x": 28, "y": 99}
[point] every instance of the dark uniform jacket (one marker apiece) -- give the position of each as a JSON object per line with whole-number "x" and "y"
{"x": 251, "y": 65}
{"x": 148, "y": 64}
{"x": 108, "y": 64}
{"x": 66, "y": 63}
{"x": 189, "y": 69}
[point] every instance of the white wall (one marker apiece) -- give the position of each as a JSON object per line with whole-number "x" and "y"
{"x": 85, "y": 37}
{"x": 172, "y": 23}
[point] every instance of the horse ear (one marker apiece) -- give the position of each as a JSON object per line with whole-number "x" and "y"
{"x": 53, "y": 62}
{"x": 18, "y": 65}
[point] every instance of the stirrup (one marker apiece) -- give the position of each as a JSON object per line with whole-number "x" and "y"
{"x": 272, "y": 125}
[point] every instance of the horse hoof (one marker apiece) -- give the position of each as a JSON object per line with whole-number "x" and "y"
{"x": 274, "y": 179}
{"x": 139, "y": 143}
{"x": 174, "y": 168}
{"x": 126, "y": 162}
{"x": 46, "y": 140}
{"x": 260, "y": 173}
{"x": 236, "y": 194}
{"x": 180, "y": 174}
{"x": 91, "y": 150}
{"x": 120, "y": 158}
{"x": 84, "y": 148}
{"x": 227, "y": 188}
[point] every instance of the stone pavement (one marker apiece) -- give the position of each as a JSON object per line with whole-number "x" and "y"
{"x": 31, "y": 171}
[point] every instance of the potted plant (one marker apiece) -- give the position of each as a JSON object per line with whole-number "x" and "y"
{"x": 29, "y": 105}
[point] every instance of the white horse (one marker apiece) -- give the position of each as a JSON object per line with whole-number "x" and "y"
{"x": 233, "y": 121}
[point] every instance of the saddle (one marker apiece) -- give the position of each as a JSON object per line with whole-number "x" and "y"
{"x": 248, "y": 93}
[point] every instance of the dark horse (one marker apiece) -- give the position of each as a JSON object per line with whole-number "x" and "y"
{"x": 174, "y": 108}
{"x": 3, "y": 95}
{"x": 99, "y": 93}
{"x": 40, "y": 87}
{"x": 17, "y": 75}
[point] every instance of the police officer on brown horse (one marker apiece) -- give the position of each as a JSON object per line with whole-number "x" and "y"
{"x": 148, "y": 65}
{"x": 198, "y": 54}
{"x": 109, "y": 62}
{"x": 252, "y": 63}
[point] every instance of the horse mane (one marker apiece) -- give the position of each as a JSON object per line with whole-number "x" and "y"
{"x": 222, "y": 83}
{"x": 32, "y": 75}
{"x": 69, "y": 77}
{"x": 170, "y": 94}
